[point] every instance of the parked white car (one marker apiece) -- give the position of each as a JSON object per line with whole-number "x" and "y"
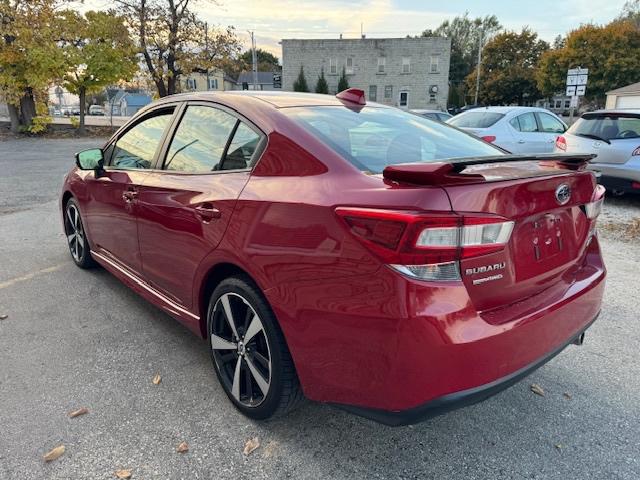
{"x": 516, "y": 129}
{"x": 614, "y": 136}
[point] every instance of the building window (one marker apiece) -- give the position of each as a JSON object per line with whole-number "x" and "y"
{"x": 333, "y": 66}
{"x": 388, "y": 92}
{"x": 432, "y": 98}
{"x": 404, "y": 99}
{"x": 406, "y": 64}
{"x": 434, "y": 64}
{"x": 567, "y": 103}
{"x": 213, "y": 84}
{"x": 381, "y": 64}
{"x": 191, "y": 83}
{"x": 349, "y": 66}
{"x": 373, "y": 93}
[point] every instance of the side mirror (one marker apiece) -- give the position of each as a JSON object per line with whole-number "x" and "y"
{"x": 92, "y": 159}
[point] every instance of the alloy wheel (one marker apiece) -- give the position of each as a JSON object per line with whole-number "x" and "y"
{"x": 241, "y": 349}
{"x": 75, "y": 232}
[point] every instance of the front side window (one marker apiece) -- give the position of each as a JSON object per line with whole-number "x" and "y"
{"x": 200, "y": 140}
{"x": 372, "y": 138}
{"x": 137, "y": 147}
{"x": 550, "y": 124}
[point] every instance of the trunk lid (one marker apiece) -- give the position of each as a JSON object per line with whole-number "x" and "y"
{"x": 548, "y": 237}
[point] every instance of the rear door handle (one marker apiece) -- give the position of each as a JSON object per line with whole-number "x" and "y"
{"x": 207, "y": 212}
{"x": 521, "y": 141}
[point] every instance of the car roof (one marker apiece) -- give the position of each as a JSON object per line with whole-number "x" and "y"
{"x": 427, "y": 110}
{"x": 618, "y": 111}
{"x": 274, "y": 98}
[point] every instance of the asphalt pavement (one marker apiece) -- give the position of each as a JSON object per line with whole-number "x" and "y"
{"x": 76, "y": 338}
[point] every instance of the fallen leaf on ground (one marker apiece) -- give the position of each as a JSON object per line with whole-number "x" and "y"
{"x": 537, "y": 389}
{"x": 4, "y": 316}
{"x": 269, "y": 449}
{"x": 559, "y": 446}
{"x": 123, "y": 474}
{"x": 251, "y": 445}
{"x": 53, "y": 454}
{"x": 78, "y": 412}
{"x": 182, "y": 448}
{"x": 157, "y": 379}
{"x": 567, "y": 395}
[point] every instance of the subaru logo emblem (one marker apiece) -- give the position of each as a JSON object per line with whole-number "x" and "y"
{"x": 563, "y": 193}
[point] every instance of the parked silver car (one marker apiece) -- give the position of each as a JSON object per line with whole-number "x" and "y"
{"x": 614, "y": 136}
{"x": 437, "y": 115}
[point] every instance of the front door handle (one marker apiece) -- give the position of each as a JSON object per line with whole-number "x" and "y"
{"x": 207, "y": 212}
{"x": 521, "y": 141}
{"x": 129, "y": 195}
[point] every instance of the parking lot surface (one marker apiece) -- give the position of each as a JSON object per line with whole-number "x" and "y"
{"x": 75, "y": 338}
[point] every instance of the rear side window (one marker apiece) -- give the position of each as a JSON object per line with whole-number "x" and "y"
{"x": 607, "y": 126}
{"x": 477, "y": 119}
{"x": 372, "y": 138}
{"x": 525, "y": 123}
{"x": 200, "y": 140}
{"x": 241, "y": 149}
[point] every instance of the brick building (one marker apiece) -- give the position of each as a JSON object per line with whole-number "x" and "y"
{"x": 404, "y": 72}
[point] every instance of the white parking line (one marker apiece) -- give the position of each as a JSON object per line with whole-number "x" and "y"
{"x": 29, "y": 276}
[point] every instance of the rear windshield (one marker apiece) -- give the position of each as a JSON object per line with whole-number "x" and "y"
{"x": 475, "y": 119}
{"x": 607, "y": 126}
{"x": 373, "y": 138}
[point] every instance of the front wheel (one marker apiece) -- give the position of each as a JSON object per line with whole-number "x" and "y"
{"x": 76, "y": 236}
{"x": 249, "y": 352}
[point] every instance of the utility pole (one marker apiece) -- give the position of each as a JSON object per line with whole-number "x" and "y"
{"x": 479, "y": 62}
{"x": 254, "y": 57}
{"x": 206, "y": 50}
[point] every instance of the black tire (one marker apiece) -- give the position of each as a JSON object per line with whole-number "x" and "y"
{"x": 283, "y": 393}
{"x": 76, "y": 236}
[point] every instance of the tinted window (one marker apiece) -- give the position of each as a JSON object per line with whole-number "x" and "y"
{"x": 373, "y": 138}
{"x": 444, "y": 117}
{"x": 200, "y": 139}
{"x": 525, "y": 123}
{"x": 137, "y": 147}
{"x": 476, "y": 119}
{"x": 241, "y": 149}
{"x": 550, "y": 124}
{"x": 608, "y": 126}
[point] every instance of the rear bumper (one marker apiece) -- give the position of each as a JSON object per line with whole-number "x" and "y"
{"x": 617, "y": 184}
{"x": 453, "y": 401}
{"x": 398, "y": 350}
{"x": 629, "y": 171}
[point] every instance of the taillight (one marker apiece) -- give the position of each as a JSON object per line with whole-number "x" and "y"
{"x": 594, "y": 207}
{"x": 561, "y": 143}
{"x": 424, "y": 245}
{"x": 636, "y": 152}
{"x": 489, "y": 138}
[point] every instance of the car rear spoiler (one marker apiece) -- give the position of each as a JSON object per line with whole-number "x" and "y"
{"x": 451, "y": 170}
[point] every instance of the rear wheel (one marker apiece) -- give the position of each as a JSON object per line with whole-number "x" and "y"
{"x": 249, "y": 352}
{"x": 76, "y": 236}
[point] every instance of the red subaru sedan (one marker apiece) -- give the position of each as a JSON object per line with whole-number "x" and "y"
{"x": 343, "y": 251}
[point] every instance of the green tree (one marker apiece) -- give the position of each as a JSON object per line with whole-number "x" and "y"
{"x": 300, "y": 84}
{"x": 508, "y": 69}
{"x": 172, "y": 40}
{"x": 30, "y": 59}
{"x": 267, "y": 62}
{"x": 343, "y": 83}
{"x": 610, "y": 53}
{"x": 99, "y": 52}
{"x": 321, "y": 85}
{"x": 465, "y": 34}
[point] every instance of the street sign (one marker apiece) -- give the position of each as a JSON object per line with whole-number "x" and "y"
{"x": 571, "y": 90}
{"x": 578, "y": 71}
{"x": 582, "y": 80}
{"x": 572, "y": 79}
{"x": 580, "y": 89}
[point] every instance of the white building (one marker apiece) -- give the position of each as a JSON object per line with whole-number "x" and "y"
{"x": 404, "y": 72}
{"x": 625, "y": 97}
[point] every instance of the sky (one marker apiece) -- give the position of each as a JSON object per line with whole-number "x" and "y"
{"x": 273, "y": 20}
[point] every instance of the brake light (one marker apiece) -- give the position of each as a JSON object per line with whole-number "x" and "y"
{"x": 561, "y": 143}
{"x": 427, "y": 246}
{"x": 636, "y": 152}
{"x": 489, "y": 138}
{"x": 594, "y": 207}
